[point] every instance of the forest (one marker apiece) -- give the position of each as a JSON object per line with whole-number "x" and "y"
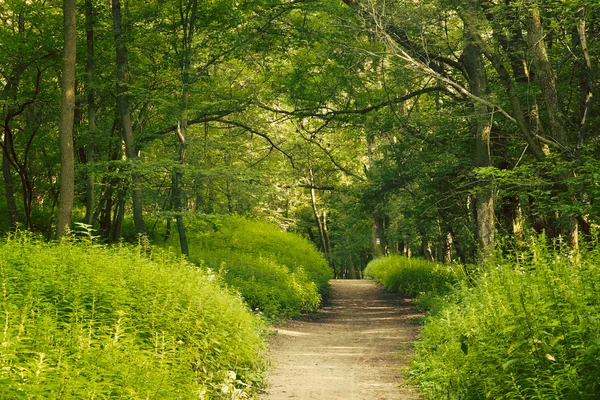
{"x": 276, "y": 144}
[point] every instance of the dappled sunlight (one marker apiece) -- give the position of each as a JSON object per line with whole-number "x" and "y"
{"x": 291, "y": 333}
{"x": 353, "y": 349}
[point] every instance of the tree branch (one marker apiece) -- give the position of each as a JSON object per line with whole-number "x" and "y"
{"x": 262, "y": 135}
{"x": 208, "y": 117}
{"x": 328, "y": 115}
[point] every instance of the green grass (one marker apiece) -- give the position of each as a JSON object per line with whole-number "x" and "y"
{"x": 412, "y": 276}
{"x": 527, "y": 329}
{"x": 82, "y": 322}
{"x": 278, "y": 273}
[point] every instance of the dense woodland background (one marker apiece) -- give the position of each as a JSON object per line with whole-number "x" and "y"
{"x": 463, "y": 132}
{"x": 427, "y": 128}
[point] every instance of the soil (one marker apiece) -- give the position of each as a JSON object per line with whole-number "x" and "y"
{"x": 354, "y": 348}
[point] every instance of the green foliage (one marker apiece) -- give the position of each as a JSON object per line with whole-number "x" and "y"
{"x": 527, "y": 329}
{"x": 279, "y": 273}
{"x": 80, "y": 321}
{"x": 412, "y": 276}
{"x": 268, "y": 287}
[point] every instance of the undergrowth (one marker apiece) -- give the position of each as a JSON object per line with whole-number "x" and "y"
{"x": 82, "y": 322}
{"x": 528, "y": 328}
{"x": 278, "y": 273}
{"x": 412, "y": 277}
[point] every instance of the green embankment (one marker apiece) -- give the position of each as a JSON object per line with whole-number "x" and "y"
{"x": 413, "y": 277}
{"x": 525, "y": 327}
{"x": 85, "y": 322}
{"x": 278, "y": 273}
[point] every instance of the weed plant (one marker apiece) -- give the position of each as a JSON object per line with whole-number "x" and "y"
{"x": 82, "y": 322}
{"x": 280, "y": 274}
{"x": 527, "y": 329}
{"x": 412, "y": 276}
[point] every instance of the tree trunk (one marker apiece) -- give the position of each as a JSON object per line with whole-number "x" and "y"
{"x": 316, "y": 214}
{"x": 378, "y": 235}
{"x": 327, "y": 239}
{"x": 9, "y": 192}
{"x": 119, "y": 214}
{"x": 67, "y": 162}
{"x": 91, "y": 103}
{"x": 105, "y": 210}
{"x": 586, "y": 82}
{"x": 177, "y": 200}
{"x": 123, "y": 103}
{"x": 543, "y": 70}
{"x": 567, "y": 225}
{"x": 473, "y": 62}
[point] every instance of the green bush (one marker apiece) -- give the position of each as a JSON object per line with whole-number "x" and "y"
{"x": 412, "y": 276}
{"x": 268, "y": 287}
{"x": 528, "y": 329}
{"x": 85, "y": 322}
{"x": 279, "y": 273}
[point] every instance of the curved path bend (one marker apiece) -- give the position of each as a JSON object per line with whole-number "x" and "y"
{"x": 353, "y": 349}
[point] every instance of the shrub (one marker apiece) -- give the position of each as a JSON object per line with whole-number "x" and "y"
{"x": 411, "y": 276}
{"x": 267, "y": 287}
{"x": 279, "y": 273}
{"x": 528, "y": 329}
{"x": 85, "y": 322}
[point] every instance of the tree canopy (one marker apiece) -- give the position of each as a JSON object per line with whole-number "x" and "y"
{"x": 428, "y": 128}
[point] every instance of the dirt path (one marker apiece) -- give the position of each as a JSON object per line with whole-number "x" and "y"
{"x": 353, "y": 349}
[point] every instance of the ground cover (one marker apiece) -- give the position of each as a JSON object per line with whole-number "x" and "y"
{"x": 279, "y": 274}
{"x": 528, "y": 327}
{"x": 82, "y": 321}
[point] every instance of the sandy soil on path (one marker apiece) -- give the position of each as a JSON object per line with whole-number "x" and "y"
{"x": 353, "y": 349}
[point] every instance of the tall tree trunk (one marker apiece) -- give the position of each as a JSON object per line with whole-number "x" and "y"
{"x": 119, "y": 214}
{"x": 9, "y": 192}
{"x": 91, "y": 104}
{"x": 67, "y": 161}
{"x": 317, "y": 215}
{"x": 544, "y": 74}
{"x": 473, "y": 62}
{"x": 177, "y": 197}
{"x": 567, "y": 225}
{"x": 188, "y": 14}
{"x": 378, "y": 235}
{"x": 123, "y": 103}
{"x": 10, "y": 91}
{"x": 105, "y": 210}
{"x": 586, "y": 82}
{"x": 327, "y": 239}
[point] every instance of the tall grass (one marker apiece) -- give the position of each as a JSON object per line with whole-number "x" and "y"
{"x": 412, "y": 276}
{"x": 281, "y": 274}
{"x": 528, "y": 329}
{"x": 82, "y": 322}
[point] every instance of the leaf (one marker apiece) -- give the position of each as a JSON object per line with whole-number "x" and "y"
{"x": 508, "y": 364}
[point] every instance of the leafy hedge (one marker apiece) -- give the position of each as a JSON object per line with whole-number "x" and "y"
{"x": 85, "y": 322}
{"x": 412, "y": 276}
{"x": 279, "y": 273}
{"x": 528, "y": 329}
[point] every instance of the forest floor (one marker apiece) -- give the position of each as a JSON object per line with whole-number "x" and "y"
{"x": 354, "y": 348}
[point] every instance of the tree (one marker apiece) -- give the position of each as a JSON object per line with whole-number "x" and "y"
{"x": 125, "y": 115}
{"x": 91, "y": 110}
{"x": 67, "y": 162}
